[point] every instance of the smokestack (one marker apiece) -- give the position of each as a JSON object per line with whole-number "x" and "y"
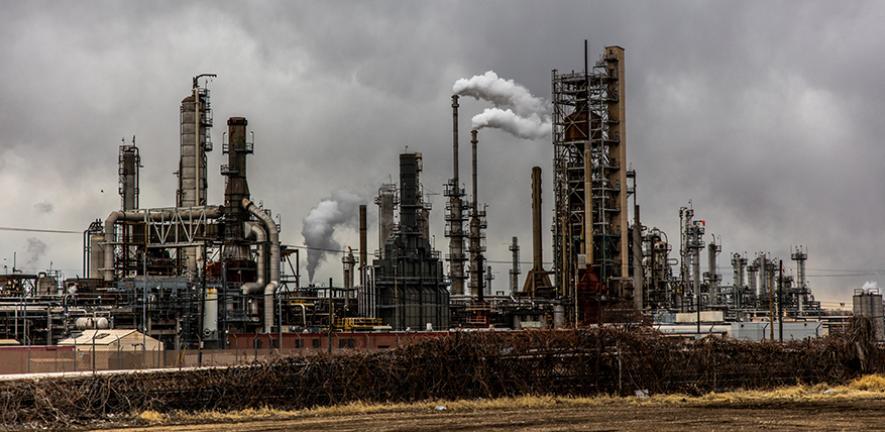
{"x": 476, "y": 281}
{"x": 473, "y": 143}
{"x": 537, "y": 282}
{"x": 537, "y": 247}
{"x": 455, "y": 217}
{"x": 455, "y": 106}
{"x": 362, "y": 299}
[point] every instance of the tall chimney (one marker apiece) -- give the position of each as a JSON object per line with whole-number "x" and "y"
{"x": 537, "y": 282}
{"x": 455, "y": 218}
{"x": 455, "y": 106}
{"x": 362, "y": 299}
{"x": 476, "y": 270}
{"x": 537, "y": 247}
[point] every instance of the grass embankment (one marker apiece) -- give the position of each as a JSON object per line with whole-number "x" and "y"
{"x": 867, "y": 387}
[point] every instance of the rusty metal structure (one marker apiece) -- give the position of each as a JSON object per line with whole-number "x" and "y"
{"x": 592, "y": 261}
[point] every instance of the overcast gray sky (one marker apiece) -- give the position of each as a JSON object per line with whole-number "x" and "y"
{"x": 767, "y": 115}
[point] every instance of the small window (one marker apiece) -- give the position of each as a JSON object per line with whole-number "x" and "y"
{"x": 299, "y": 343}
{"x": 258, "y": 343}
{"x": 346, "y": 343}
{"x": 315, "y": 343}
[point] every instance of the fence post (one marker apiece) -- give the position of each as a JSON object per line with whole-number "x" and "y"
{"x": 618, "y": 354}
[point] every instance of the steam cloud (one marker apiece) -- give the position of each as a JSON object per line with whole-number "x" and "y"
{"x": 35, "y": 250}
{"x": 319, "y": 226}
{"x": 870, "y": 286}
{"x": 515, "y": 111}
{"x": 532, "y": 127}
{"x": 501, "y": 93}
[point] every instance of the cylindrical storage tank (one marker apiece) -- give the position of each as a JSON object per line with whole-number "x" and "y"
{"x": 869, "y": 305}
{"x": 96, "y": 254}
{"x": 210, "y": 315}
{"x": 86, "y": 323}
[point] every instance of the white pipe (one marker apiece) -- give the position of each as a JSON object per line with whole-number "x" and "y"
{"x": 258, "y": 232}
{"x": 211, "y": 212}
{"x": 303, "y": 313}
{"x": 273, "y": 235}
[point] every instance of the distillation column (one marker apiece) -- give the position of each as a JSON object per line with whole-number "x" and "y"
{"x": 195, "y": 141}
{"x": 800, "y": 255}
{"x": 514, "y": 270}
{"x": 712, "y": 276}
{"x": 386, "y": 201}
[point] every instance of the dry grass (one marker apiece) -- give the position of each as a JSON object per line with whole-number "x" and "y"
{"x": 867, "y": 387}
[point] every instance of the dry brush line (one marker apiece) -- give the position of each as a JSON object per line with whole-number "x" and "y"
{"x": 456, "y": 366}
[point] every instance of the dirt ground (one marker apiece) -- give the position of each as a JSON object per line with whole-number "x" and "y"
{"x": 832, "y": 415}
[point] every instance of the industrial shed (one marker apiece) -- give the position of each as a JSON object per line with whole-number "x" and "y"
{"x": 113, "y": 340}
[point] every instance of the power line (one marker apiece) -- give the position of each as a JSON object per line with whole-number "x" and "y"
{"x": 49, "y": 231}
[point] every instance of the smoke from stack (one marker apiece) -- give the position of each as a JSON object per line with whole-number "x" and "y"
{"x": 516, "y": 110}
{"x": 531, "y": 127}
{"x": 318, "y": 228}
{"x": 35, "y": 250}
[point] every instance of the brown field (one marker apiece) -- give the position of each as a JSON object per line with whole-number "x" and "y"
{"x": 859, "y": 405}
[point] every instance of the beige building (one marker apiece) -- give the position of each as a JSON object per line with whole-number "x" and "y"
{"x": 116, "y": 340}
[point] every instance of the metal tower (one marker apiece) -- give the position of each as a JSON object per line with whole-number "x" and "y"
{"x": 589, "y": 121}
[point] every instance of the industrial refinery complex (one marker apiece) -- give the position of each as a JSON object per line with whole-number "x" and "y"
{"x": 217, "y": 275}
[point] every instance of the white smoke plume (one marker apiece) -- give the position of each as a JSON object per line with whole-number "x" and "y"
{"x": 515, "y": 111}
{"x": 318, "y": 227}
{"x": 870, "y": 286}
{"x": 35, "y": 250}
{"x": 531, "y": 127}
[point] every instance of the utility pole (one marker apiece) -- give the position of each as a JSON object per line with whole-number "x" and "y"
{"x": 331, "y": 314}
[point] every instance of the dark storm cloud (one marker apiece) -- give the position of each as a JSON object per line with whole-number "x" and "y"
{"x": 764, "y": 114}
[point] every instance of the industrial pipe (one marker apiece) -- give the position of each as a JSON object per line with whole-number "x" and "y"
{"x": 255, "y": 229}
{"x": 273, "y": 235}
{"x": 211, "y": 212}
